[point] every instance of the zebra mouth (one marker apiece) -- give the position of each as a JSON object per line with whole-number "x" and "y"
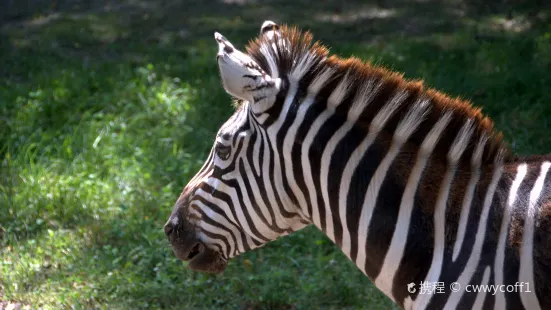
{"x": 198, "y": 248}
{"x": 204, "y": 259}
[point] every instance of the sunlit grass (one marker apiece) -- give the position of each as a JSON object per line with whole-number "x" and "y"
{"x": 97, "y": 141}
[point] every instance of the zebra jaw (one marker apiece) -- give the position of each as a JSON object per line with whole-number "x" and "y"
{"x": 188, "y": 247}
{"x": 241, "y": 76}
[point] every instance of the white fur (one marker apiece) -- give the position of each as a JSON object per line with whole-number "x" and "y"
{"x": 480, "y": 296}
{"x": 499, "y": 270}
{"x": 476, "y": 161}
{"x": 526, "y": 272}
{"x": 417, "y": 113}
{"x": 439, "y": 220}
{"x": 363, "y": 98}
{"x": 243, "y": 78}
{"x": 395, "y": 251}
{"x": 476, "y": 253}
{"x": 333, "y": 102}
{"x": 313, "y": 89}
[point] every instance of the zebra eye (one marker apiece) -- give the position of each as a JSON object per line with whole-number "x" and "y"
{"x": 223, "y": 151}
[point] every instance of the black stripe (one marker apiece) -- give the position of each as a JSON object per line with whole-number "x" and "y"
{"x": 310, "y": 116}
{"x": 359, "y": 183}
{"x": 542, "y": 245}
{"x": 383, "y": 222}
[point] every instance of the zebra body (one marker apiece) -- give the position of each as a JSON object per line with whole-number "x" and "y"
{"x": 412, "y": 185}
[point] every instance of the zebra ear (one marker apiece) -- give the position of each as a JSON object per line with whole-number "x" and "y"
{"x": 242, "y": 77}
{"x": 269, "y": 28}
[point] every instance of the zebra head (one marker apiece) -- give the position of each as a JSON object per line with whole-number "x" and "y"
{"x": 234, "y": 203}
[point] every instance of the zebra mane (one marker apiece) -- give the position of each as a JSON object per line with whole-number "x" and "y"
{"x": 293, "y": 54}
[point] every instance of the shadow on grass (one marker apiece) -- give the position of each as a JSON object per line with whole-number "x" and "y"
{"x": 92, "y": 27}
{"x": 107, "y": 110}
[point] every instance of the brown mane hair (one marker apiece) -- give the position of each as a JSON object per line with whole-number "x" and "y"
{"x": 292, "y": 45}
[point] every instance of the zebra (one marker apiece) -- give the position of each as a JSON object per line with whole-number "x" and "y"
{"x": 413, "y": 186}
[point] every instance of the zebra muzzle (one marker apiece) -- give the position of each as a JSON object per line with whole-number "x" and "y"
{"x": 188, "y": 248}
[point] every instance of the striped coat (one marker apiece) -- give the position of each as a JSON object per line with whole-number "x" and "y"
{"x": 417, "y": 188}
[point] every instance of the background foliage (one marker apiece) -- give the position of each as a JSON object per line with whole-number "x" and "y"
{"x": 107, "y": 108}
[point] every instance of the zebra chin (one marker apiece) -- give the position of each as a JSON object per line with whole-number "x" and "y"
{"x": 207, "y": 260}
{"x": 200, "y": 257}
{"x": 187, "y": 247}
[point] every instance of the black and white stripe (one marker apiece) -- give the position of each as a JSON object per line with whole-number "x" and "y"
{"x": 410, "y": 188}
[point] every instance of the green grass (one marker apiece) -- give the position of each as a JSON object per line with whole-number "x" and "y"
{"x": 105, "y": 115}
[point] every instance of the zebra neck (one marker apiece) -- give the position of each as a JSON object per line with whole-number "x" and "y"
{"x": 377, "y": 201}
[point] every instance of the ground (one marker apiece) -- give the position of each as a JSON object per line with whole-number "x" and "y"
{"x": 107, "y": 108}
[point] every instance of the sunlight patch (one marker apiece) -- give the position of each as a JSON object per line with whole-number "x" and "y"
{"x": 356, "y": 15}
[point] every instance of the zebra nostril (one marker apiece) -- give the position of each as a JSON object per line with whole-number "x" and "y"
{"x": 169, "y": 228}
